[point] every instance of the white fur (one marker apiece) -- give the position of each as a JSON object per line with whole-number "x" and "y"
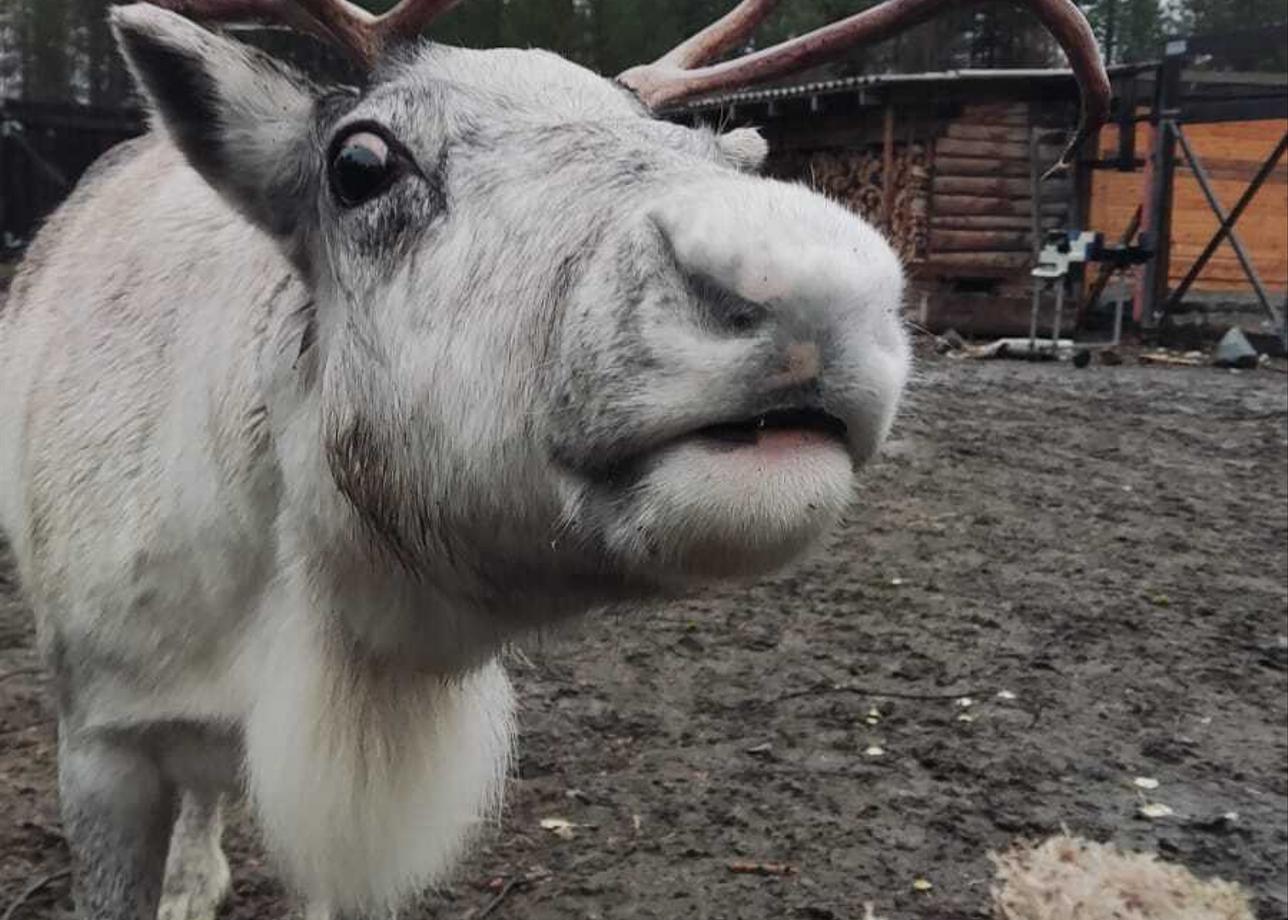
{"x": 282, "y": 478}
{"x": 402, "y": 769}
{"x": 770, "y": 510}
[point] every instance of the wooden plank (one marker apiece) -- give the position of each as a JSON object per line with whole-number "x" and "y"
{"x": 991, "y": 314}
{"x": 990, "y": 222}
{"x": 995, "y": 150}
{"x": 996, "y": 113}
{"x": 997, "y": 187}
{"x": 970, "y": 166}
{"x": 978, "y": 132}
{"x": 962, "y": 262}
{"x": 967, "y": 205}
{"x": 979, "y": 241}
{"x": 1237, "y": 170}
{"x": 1017, "y": 133}
{"x": 1248, "y": 142}
{"x": 990, "y": 150}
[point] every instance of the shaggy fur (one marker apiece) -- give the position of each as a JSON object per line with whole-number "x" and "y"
{"x": 283, "y": 472}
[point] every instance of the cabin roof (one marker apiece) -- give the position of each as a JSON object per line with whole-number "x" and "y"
{"x": 874, "y": 82}
{"x": 1058, "y": 82}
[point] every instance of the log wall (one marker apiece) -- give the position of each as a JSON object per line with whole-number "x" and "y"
{"x": 954, "y": 192}
{"x": 982, "y": 203}
{"x": 983, "y": 217}
{"x": 856, "y": 177}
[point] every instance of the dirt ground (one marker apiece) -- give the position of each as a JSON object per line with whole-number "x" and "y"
{"x": 1109, "y": 545}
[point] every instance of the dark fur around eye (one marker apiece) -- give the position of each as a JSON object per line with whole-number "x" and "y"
{"x": 364, "y": 160}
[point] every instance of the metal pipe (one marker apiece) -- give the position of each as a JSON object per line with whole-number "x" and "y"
{"x": 1033, "y": 317}
{"x": 1118, "y": 310}
{"x": 1059, "y": 310}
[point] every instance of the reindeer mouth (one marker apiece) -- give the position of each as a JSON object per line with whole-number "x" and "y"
{"x": 806, "y": 424}
{"x": 777, "y": 433}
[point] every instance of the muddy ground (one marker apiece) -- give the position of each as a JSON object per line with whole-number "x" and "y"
{"x": 1108, "y": 545}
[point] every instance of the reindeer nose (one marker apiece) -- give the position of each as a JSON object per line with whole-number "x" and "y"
{"x": 772, "y": 255}
{"x": 801, "y": 365}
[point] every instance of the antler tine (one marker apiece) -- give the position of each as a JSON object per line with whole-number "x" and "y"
{"x": 729, "y": 30}
{"x": 410, "y": 17}
{"x": 362, "y": 36}
{"x": 674, "y": 77}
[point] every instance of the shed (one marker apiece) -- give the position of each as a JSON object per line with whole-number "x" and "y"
{"x": 950, "y": 165}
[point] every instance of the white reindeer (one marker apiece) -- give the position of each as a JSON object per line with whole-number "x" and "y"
{"x": 315, "y": 396}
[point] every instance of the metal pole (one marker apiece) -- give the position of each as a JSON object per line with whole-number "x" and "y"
{"x": 1059, "y": 311}
{"x": 1118, "y": 311}
{"x": 1033, "y": 316}
{"x": 5, "y": 181}
{"x": 1035, "y": 228}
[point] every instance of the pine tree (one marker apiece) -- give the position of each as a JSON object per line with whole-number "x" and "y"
{"x": 1216, "y": 16}
{"x": 62, "y": 49}
{"x": 45, "y": 35}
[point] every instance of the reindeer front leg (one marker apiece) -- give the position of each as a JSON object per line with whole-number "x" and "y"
{"x": 196, "y": 874}
{"x": 118, "y": 812}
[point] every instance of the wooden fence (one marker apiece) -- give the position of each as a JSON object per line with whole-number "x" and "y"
{"x": 44, "y": 148}
{"x": 1231, "y": 153}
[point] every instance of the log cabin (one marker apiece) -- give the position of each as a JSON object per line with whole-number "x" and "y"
{"x": 951, "y": 165}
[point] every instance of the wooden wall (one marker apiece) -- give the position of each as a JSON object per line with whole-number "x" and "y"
{"x": 890, "y": 193}
{"x": 1231, "y": 154}
{"x": 952, "y": 187}
{"x": 984, "y": 215}
{"x": 982, "y": 208}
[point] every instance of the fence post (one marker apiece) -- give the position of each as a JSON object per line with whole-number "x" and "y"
{"x": 1157, "y": 234}
{"x": 4, "y": 183}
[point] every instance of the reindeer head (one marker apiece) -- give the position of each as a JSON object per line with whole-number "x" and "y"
{"x": 566, "y": 352}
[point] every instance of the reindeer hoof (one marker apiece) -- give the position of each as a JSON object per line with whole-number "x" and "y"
{"x": 195, "y": 888}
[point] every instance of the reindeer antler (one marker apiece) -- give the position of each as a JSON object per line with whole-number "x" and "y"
{"x": 358, "y": 33}
{"x": 686, "y": 71}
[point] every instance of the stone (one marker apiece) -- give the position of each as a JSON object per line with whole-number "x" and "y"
{"x": 1234, "y": 350}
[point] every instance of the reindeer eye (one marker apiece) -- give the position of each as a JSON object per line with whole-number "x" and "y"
{"x": 361, "y": 168}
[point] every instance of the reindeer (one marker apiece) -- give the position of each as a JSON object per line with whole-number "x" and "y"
{"x": 316, "y": 395}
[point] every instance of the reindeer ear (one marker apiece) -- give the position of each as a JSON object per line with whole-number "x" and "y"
{"x": 244, "y": 121}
